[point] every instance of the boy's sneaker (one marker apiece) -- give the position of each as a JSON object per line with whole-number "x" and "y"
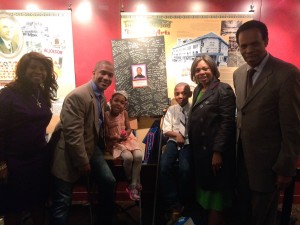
{"x": 133, "y": 193}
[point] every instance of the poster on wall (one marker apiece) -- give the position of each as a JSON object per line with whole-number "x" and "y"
{"x": 188, "y": 35}
{"x": 47, "y": 32}
{"x": 140, "y": 69}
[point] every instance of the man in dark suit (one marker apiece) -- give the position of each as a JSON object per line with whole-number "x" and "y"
{"x": 139, "y": 74}
{"x": 7, "y": 32}
{"x": 79, "y": 148}
{"x": 268, "y": 112}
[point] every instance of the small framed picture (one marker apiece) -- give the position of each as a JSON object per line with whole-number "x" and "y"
{"x": 139, "y": 75}
{"x": 139, "y": 72}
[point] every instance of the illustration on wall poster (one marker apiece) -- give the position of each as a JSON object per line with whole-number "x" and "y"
{"x": 47, "y": 32}
{"x": 210, "y": 44}
{"x": 229, "y": 28}
{"x": 140, "y": 68}
{"x": 11, "y": 37}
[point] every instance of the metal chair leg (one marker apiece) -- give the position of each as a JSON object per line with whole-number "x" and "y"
{"x": 157, "y": 171}
{"x": 90, "y": 199}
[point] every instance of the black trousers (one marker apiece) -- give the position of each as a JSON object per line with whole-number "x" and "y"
{"x": 254, "y": 208}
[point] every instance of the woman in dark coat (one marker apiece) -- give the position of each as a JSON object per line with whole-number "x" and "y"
{"x": 25, "y": 105}
{"x": 212, "y": 138}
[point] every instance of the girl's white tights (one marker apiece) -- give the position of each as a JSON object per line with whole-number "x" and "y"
{"x": 132, "y": 165}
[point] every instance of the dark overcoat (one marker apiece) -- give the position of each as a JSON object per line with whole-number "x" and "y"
{"x": 212, "y": 128}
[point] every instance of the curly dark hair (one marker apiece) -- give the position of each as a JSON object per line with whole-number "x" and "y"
{"x": 48, "y": 87}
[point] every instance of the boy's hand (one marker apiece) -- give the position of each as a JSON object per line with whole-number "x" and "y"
{"x": 179, "y": 140}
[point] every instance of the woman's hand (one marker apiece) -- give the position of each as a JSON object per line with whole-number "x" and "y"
{"x": 217, "y": 162}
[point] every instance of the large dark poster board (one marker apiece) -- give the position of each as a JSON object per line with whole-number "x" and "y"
{"x": 140, "y": 68}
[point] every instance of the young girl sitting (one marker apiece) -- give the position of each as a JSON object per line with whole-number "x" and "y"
{"x": 121, "y": 142}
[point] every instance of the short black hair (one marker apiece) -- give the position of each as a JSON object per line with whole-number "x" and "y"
{"x": 253, "y": 24}
{"x": 186, "y": 86}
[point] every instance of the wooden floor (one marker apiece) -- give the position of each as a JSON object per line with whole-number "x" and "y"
{"x": 86, "y": 215}
{"x": 80, "y": 215}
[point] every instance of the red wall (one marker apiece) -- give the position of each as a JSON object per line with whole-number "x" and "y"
{"x": 92, "y": 42}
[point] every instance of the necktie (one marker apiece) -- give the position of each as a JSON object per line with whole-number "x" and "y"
{"x": 100, "y": 110}
{"x": 182, "y": 123}
{"x": 101, "y": 118}
{"x": 250, "y": 74}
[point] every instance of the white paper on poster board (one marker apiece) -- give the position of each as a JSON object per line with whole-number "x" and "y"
{"x": 140, "y": 69}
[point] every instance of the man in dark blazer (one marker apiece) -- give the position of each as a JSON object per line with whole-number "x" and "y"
{"x": 79, "y": 149}
{"x": 268, "y": 123}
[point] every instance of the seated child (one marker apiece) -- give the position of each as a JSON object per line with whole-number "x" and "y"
{"x": 121, "y": 142}
{"x": 175, "y": 189}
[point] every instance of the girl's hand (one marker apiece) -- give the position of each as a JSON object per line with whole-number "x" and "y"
{"x": 217, "y": 162}
{"x": 123, "y": 135}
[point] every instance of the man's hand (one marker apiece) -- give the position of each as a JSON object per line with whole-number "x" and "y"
{"x": 85, "y": 170}
{"x": 283, "y": 182}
